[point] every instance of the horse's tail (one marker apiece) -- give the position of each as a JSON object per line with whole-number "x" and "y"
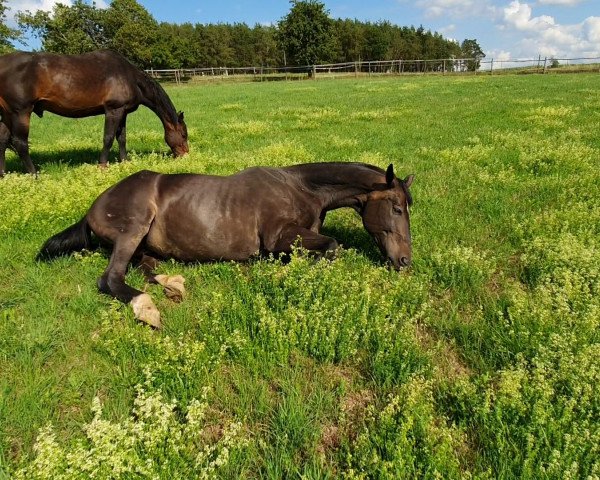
{"x": 72, "y": 239}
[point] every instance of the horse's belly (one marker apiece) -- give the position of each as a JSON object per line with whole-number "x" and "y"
{"x": 74, "y": 110}
{"x": 200, "y": 245}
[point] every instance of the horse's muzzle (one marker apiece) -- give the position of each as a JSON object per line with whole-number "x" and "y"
{"x": 399, "y": 263}
{"x": 180, "y": 151}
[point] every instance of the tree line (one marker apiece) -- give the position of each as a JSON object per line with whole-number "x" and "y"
{"x": 307, "y": 35}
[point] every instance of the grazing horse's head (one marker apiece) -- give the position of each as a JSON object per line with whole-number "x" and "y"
{"x": 385, "y": 216}
{"x": 176, "y": 136}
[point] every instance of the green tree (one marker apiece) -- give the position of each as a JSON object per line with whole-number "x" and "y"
{"x": 175, "y": 46}
{"x": 305, "y": 33}
{"x": 350, "y": 38}
{"x": 265, "y": 46}
{"x": 7, "y": 34}
{"x": 215, "y": 43}
{"x": 305, "y": 36}
{"x": 132, "y": 31}
{"x": 67, "y": 29}
{"x": 378, "y": 40}
{"x": 472, "y": 51}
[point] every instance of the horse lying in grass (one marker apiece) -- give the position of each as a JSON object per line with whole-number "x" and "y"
{"x": 96, "y": 83}
{"x": 150, "y": 216}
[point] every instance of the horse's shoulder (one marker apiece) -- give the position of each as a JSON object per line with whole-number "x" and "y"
{"x": 144, "y": 174}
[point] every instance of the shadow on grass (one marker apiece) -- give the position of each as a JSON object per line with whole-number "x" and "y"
{"x": 356, "y": 238}
{"x": 69, "y": 157}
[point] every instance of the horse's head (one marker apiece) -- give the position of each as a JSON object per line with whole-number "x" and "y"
{"x": 176, "y": 136}
{"x": 385, "y": 216}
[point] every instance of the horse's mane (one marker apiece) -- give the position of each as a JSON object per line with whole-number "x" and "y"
{"x": 156, "y": 95}
{"x": 335, "y": 173}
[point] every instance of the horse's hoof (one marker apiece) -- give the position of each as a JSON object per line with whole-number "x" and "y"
{"x": 145, "y": 310}
{"x": 173, "y": 285}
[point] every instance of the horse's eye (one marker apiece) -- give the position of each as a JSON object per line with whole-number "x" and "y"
{"x": 397, "y": 210}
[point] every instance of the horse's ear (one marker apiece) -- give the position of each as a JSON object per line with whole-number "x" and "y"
{"x": 408, "y": 180}
{"x": 180, "y": 117}
{"x": 389, "y": 176}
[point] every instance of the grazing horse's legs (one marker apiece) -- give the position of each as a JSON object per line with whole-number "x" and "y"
{"x": 121, "y": 137}
{"x": 20, "y": 139}
{"x": 4, "y": 142}
{"x": 112, "y": 120}
{"x": 308, "y": 239}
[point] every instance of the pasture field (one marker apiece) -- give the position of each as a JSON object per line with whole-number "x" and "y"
{"x": 481, "y": 361}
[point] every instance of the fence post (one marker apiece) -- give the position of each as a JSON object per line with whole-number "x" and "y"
{"x": 314, "y": 72}
{"x": 492, "y": 67}
{"x": 545, "y": 62}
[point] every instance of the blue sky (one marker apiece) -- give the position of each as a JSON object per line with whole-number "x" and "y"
{"x": 504, "y": 28}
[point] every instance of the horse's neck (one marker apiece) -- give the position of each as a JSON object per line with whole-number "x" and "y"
{"x": 338, "y": 184}
{"x": 156, "y": 99}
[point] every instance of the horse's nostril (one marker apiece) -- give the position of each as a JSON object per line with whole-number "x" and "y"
{"x": 405, "y": 261}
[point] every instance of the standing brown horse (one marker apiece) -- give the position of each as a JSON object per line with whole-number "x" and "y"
{"x": 149, "y": 216}
{"x": 76, "y": 86}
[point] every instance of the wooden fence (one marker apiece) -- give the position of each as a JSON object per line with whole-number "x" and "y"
{"x": 445, "y": 66}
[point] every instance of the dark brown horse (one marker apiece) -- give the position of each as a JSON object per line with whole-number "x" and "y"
{"x": 97, "y": 83}
{"x": 150, "y": 216}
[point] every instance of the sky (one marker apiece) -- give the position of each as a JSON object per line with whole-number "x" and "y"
{"x": 505, "y": 29}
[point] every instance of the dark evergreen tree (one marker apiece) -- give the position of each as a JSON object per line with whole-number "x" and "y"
{"x": 472, "y": 50}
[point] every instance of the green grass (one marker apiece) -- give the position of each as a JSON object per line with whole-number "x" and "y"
{"x": 481, "y": 361}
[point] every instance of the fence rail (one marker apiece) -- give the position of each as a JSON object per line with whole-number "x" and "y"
{"x": 382, "y": 67}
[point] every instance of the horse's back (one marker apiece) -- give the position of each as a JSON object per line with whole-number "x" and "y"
{"x": 203, "y": 217}
{"x": 68, "y": 85}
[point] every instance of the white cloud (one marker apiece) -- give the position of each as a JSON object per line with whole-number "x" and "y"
{"x": 34, "y": 5}
{"x": 544, "y": 36}
{"x": 447, "y": 30}
{"x": 569, "y": 3}
{"x": 499, "y": 55}
{"x": 591, "y": 29}
{"x": 46, "y": 5}
{"x": 454, "y": 8}
{"x": 518, "y": 15}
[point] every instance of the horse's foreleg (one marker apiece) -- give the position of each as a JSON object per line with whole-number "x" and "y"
{"x": 306, "y": 238}
{"x": 112, "y": 120}
{"x": 121, "y": 138}
{"x": 20, "y": 139}
{"x": 113, "y": 283}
